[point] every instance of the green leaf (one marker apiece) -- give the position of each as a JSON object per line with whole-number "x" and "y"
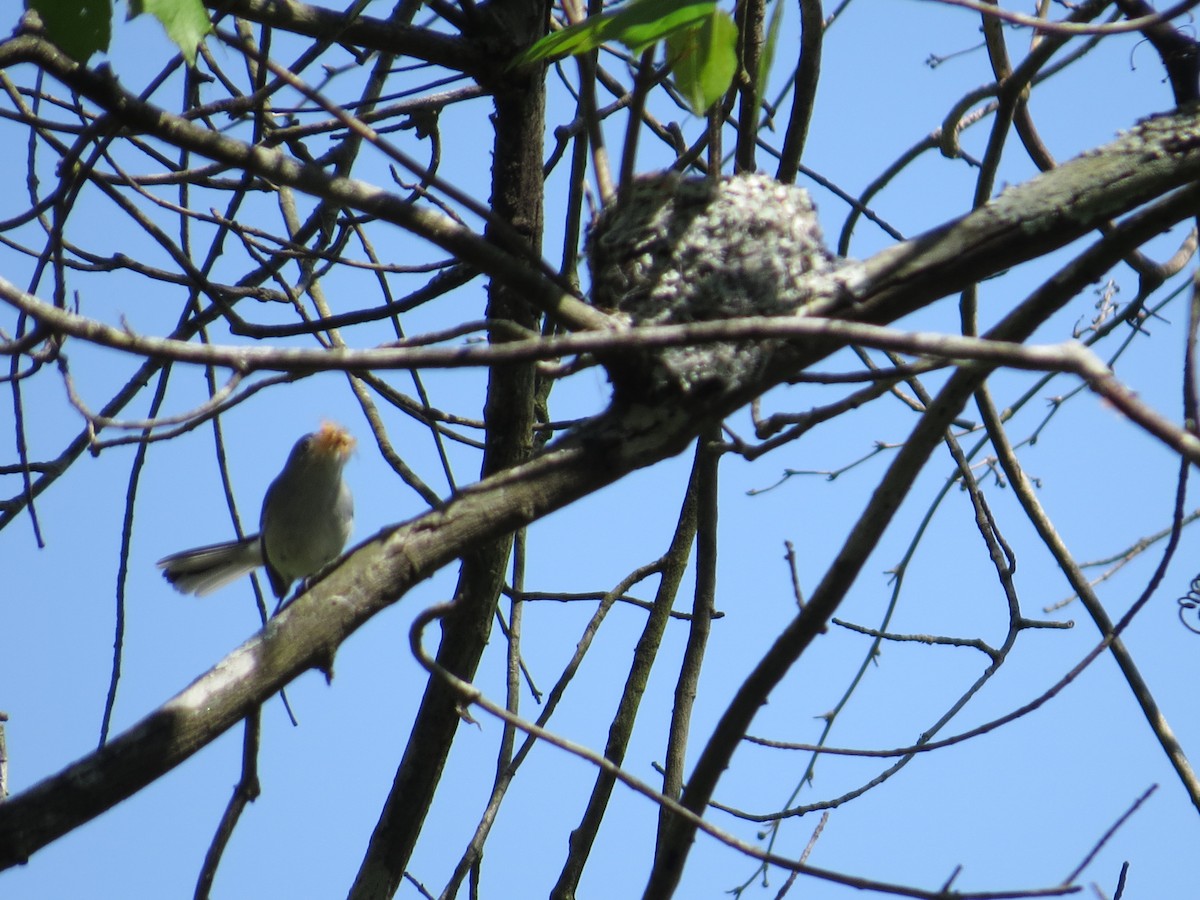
{"x": 77, "y": 27}
{"x": 186, "y": 22}
{"x": 703, "y": 60}
{"x": 636, "y": 25}
{"x": 644, "y": 22}
{"x": 570, "y": 41}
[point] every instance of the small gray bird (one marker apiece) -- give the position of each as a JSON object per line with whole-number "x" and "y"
{"x": 306, "y": 519}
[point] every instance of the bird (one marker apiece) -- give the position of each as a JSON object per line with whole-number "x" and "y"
{"x": 307, "y": 515}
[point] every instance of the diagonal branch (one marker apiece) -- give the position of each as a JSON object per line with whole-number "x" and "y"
{"x": 510, "y": 264}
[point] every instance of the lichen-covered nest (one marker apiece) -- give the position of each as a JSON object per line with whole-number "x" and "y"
{"x": 680, "y": 250}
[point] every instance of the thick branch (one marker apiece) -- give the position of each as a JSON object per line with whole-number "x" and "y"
{"x": 1038, "y": 216}
{"x": 510, "y": 414}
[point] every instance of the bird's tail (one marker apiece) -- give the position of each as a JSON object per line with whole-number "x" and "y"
{"x": 204, "y": 569}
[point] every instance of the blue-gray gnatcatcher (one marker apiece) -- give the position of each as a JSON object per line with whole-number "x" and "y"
{"x": 307, "y": 515}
